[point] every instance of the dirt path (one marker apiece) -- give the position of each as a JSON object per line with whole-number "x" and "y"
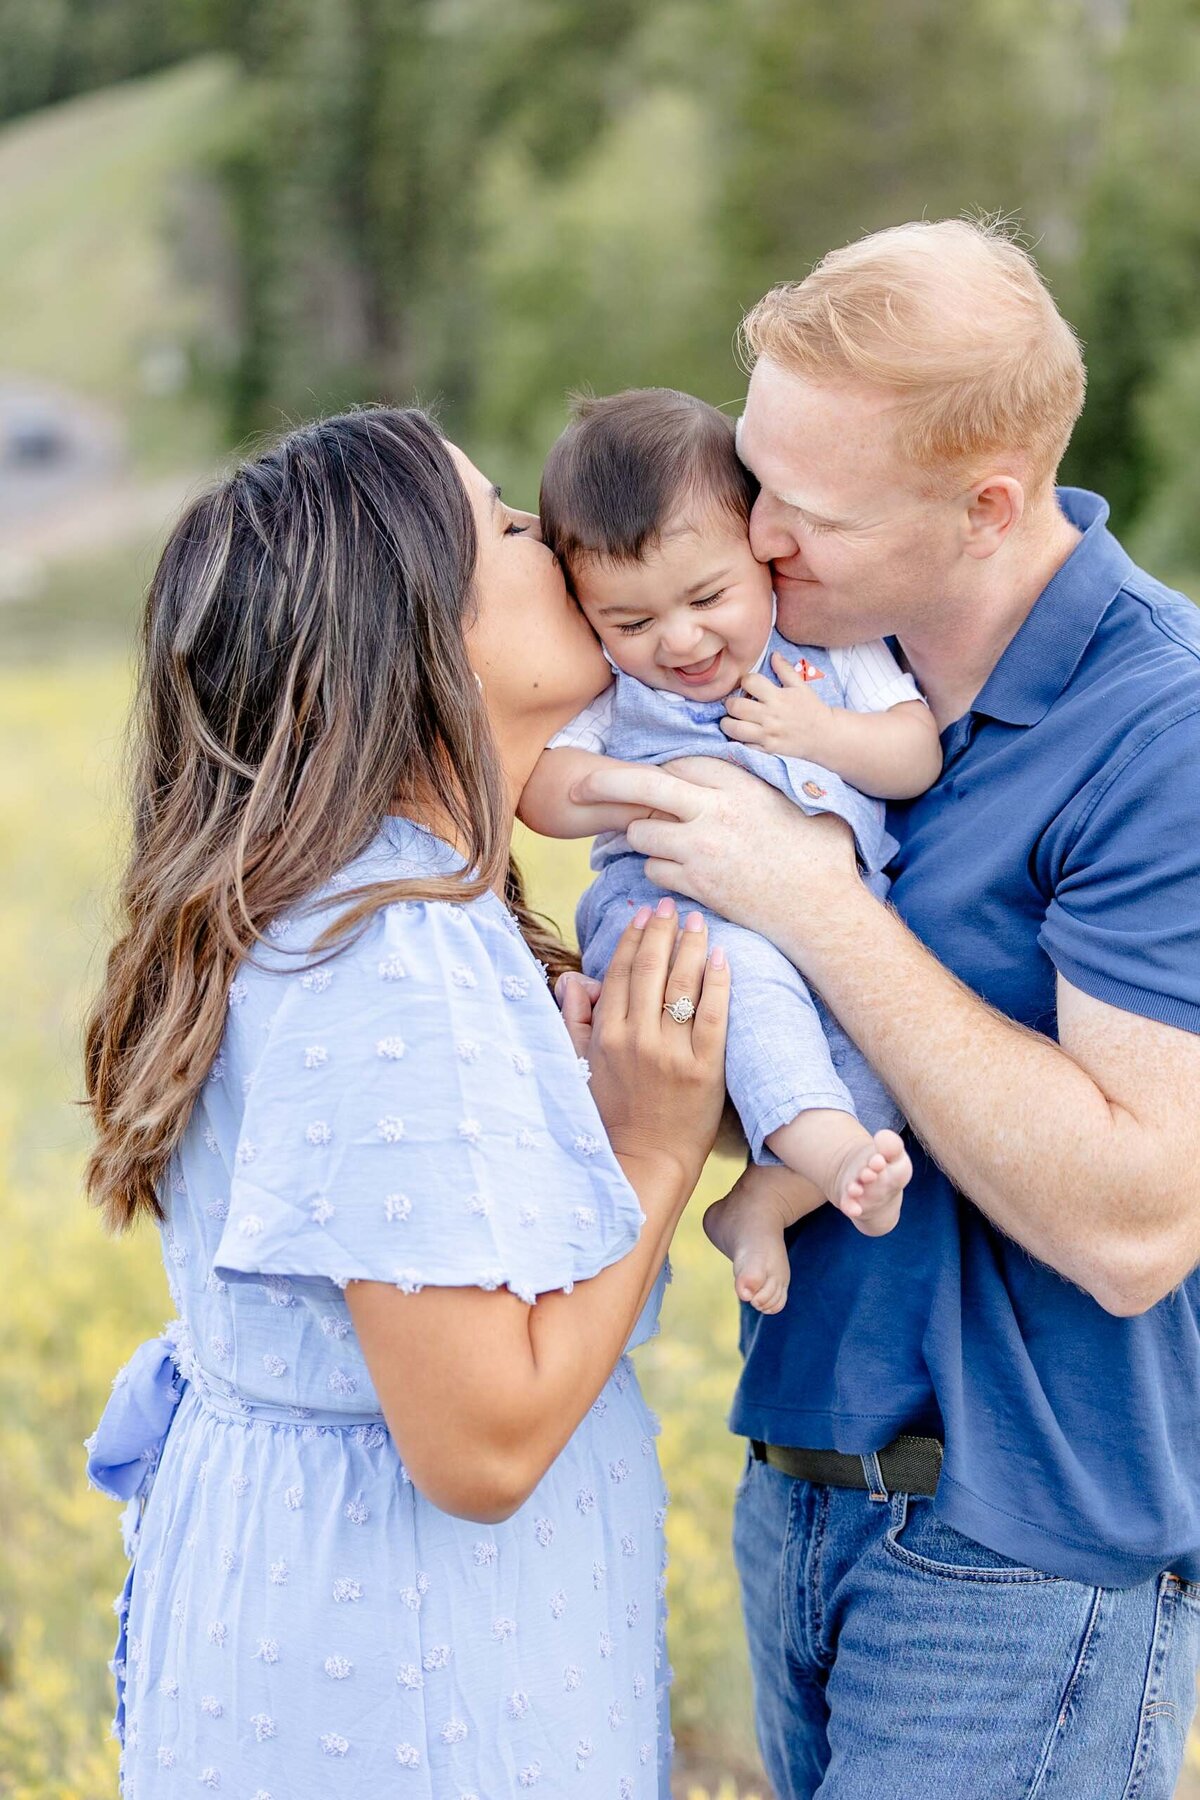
{"x": 98, "y": 518}
{"x": 67, "y": 492}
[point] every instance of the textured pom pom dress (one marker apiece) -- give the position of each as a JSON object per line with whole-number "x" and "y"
{"x": 298, "y": 1622}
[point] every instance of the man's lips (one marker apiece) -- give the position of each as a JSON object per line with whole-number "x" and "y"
{"x": 699, "y": 672}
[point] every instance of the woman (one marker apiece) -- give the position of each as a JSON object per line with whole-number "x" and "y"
{"x": 395, "y": 1520}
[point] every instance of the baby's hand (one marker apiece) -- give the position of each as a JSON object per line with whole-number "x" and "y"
{"x": 787, "y": 721}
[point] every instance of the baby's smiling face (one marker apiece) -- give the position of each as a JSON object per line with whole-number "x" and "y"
{"x": 691, "y": 616}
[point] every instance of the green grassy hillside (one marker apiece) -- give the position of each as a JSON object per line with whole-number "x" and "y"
{"x": 104, "y": 245}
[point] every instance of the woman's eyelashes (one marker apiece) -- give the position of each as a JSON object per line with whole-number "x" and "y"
{"x": 512, "y": 529}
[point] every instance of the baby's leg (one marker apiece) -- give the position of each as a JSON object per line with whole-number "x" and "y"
{"x": 863, "y": 1175}
{"x": 748, "y": 1225}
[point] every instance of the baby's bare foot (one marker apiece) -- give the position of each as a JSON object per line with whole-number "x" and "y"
{"x": 747, "y": 1226}
{"x": 870, "y": 1181}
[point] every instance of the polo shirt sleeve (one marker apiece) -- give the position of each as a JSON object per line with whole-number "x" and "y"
{"x": 1124, "y": 921}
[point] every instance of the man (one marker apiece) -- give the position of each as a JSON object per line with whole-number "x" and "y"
{"x": 970, "y": 1520}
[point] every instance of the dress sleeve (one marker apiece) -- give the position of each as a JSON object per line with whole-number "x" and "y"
{"x": 872, "y": 679}
{"x": 1123, "y": 924}
{"x": 590, "y": 729}
{"x": 418, "y": 1115}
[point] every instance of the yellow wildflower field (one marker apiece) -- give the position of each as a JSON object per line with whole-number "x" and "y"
{"x": 77, "y": 1302}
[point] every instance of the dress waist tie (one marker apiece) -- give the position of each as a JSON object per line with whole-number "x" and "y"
{"x": 123, "y": 1454}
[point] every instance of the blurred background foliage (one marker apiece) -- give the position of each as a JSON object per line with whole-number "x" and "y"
{"x": 221, "y": 216}
{"x": 486, "y": 202}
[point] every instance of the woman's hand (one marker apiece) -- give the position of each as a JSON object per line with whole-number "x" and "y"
{"x": 659, "y": 1085}
{"x": 577, "y": 995}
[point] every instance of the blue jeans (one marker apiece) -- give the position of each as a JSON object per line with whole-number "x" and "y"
{"x": 893, "y": 1656}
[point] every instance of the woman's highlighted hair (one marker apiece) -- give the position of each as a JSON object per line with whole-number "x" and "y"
{"x": 303, "y": 672}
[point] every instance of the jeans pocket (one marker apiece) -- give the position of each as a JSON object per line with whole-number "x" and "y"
{"x": 1169, "y": 1694}
{"x": 931, "y": 1547}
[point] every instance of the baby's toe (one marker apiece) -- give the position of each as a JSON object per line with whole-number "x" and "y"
{"x": 748, "y": 1282}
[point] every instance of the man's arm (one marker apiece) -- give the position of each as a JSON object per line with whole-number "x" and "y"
{"x": 1086, "y": 1152}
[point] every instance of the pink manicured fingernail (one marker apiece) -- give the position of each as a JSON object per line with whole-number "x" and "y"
{"x": 665, "y": 907}
{"x": 641, "y": 917}
{"x": 694, "y": 922}
{"x": 718, "y": 958}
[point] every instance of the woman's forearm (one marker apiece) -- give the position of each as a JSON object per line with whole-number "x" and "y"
{"x": 503, "y": 1385}
{"x": 500, "y": 1385}
{"x": 575, "y": 1339}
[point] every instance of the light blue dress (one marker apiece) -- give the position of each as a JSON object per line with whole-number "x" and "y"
{"x": 298, "y": 1622}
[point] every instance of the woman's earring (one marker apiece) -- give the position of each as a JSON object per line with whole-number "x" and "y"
{"x": 479, "y": 681}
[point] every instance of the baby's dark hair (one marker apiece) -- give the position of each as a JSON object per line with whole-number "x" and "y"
{"x": 625, "y": 464}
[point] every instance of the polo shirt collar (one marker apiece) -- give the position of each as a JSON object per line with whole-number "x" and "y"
{"x": 1044, "y": 654}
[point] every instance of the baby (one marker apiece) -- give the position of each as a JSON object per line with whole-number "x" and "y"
{"x": 647, "y": 507}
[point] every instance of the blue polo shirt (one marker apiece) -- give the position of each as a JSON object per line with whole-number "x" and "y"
{"x": 1062, "y": 838}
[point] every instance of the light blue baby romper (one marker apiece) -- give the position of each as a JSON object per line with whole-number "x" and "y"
{"x": 299, "y": 1623}
{"x": 785, "y": 1052}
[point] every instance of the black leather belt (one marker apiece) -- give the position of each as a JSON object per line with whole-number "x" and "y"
{"x": 908, "y": 1465}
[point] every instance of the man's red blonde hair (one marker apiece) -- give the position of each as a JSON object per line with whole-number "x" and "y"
{"x": 952, "y": 318}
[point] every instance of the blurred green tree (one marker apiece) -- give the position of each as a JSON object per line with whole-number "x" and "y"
{"x": 56, "y": 48}
{"x": 1135, "y": 285}
{"x": 358, "y": 190}
{"x": 846, "y": 115}
{"x": 487, "y": 202}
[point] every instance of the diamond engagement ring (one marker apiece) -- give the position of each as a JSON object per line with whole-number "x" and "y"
{"x": 681, "y": 1010}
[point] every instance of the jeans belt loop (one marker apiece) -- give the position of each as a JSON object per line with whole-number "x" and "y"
{"x": 873, "y": 1475}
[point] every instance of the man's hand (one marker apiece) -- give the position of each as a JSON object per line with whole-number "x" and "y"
{"x": 788, "y": 720}
{"x": 1085, "y": 1151}
{"x": 731, "y": 841}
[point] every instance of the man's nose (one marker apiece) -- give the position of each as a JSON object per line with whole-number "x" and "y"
{"x": 771, "y": 537}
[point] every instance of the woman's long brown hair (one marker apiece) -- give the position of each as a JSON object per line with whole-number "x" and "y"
{"x": 303, "y": 672}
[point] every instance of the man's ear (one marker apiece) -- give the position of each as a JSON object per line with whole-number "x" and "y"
{"x": 994, "y": 507}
